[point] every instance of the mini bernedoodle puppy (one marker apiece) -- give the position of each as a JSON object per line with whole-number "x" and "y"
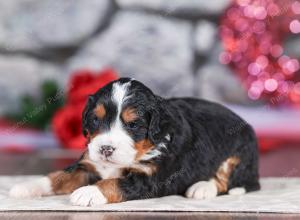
{"x": 143, "y": 146}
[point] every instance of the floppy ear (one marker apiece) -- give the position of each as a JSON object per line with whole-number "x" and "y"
{"x": 160, "y": 123}
{"x": 91, "y": 99}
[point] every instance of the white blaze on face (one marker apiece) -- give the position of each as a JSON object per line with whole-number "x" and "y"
{"x": 117, "y": 136}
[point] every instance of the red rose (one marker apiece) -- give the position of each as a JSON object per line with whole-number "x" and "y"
{"x": 86, "y": 82}
{"x": 66, "y": 122}
{"x": 67, "y": 126}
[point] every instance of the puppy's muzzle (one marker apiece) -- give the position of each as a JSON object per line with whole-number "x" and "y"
{"x": 106, "y": 150}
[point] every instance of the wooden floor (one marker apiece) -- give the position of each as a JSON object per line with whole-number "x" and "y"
{"x": 142, "y": 216}
{"x": 280, "y": 163}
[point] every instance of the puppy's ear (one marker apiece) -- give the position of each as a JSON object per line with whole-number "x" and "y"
{"x": 89, "y": 103}
{"x": 160, "y": 123}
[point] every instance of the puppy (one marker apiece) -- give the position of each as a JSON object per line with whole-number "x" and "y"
{"x": 143, "y": 146}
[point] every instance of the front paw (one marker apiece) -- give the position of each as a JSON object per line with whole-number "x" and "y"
{"x": 35, "y": 188}
{"x": 88, "y": 196}
{"x": 202, "y": 190}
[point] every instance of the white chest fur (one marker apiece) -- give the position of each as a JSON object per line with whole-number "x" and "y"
{"x": 108, "y": 172}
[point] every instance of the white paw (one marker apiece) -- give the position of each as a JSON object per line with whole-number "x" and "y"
{"x": 88, "y": 196}
{"x": 237, "y": 191}
{"x": 202, "y": 190}
{"x": 35, "y": 188}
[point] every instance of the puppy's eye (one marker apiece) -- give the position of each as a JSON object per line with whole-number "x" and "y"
{"x": 132, "y": 125}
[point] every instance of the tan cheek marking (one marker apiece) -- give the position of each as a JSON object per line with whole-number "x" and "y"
{"x": 110, "y": 189}
{"x": 148, "y": 169}
{"x": 224, "y": 172}
{"x": 129, "y": 115}
{"x": 100, "y": 111}
{"x": 142, "y": 147}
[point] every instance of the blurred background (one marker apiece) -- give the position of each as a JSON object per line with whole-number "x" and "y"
{"x": 53, "y": 54}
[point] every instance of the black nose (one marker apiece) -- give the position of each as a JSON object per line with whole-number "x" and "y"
{"x": 107, "y": 150}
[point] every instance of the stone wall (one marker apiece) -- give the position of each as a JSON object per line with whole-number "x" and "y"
{"x": 170, "y": 45}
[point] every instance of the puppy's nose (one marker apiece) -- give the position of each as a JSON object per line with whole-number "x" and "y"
{"x": 107, "y": 150}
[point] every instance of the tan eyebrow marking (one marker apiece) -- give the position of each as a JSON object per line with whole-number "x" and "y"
{"x": 100, "y": 111}
{"x": 129, "y": 114}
